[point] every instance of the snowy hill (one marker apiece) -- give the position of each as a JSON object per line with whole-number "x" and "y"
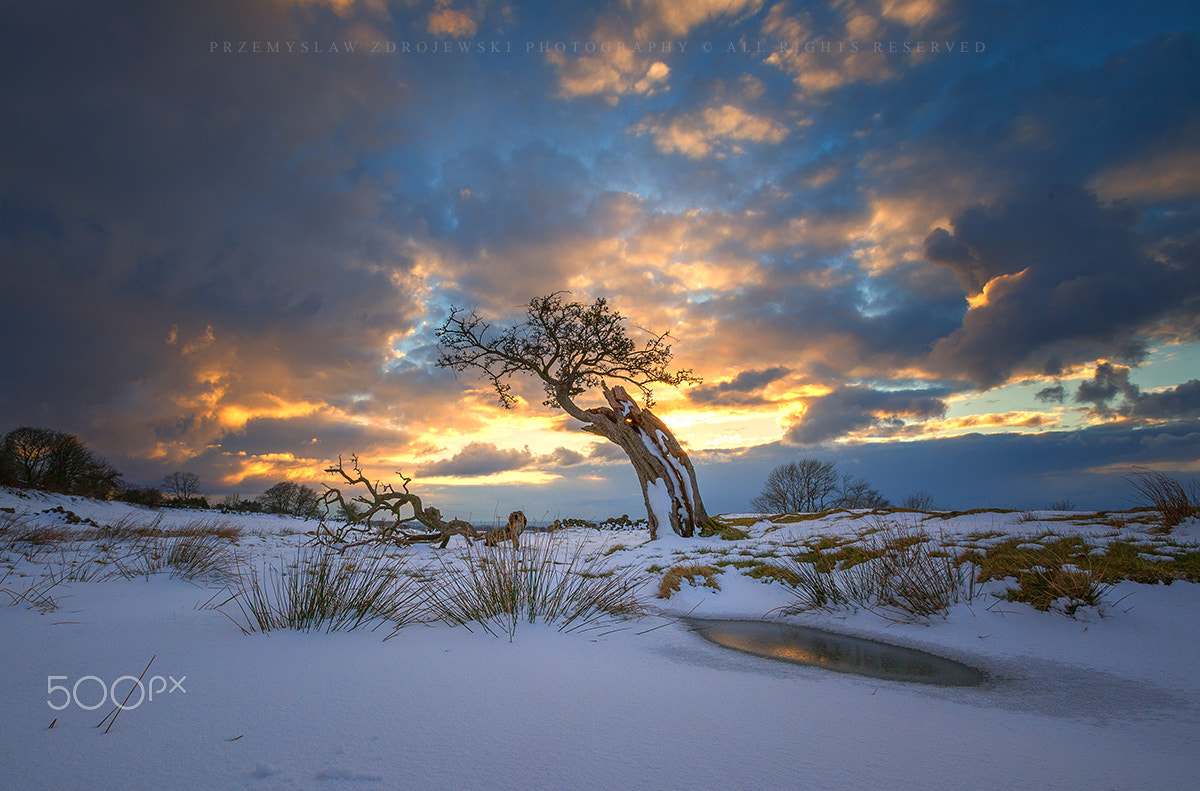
{"x": 94, "y": 590}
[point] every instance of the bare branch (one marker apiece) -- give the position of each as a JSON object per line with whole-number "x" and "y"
{"x": 569, "y": 346}
{"x": 356, "y": 527}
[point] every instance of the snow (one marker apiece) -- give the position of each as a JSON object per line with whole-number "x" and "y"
{"x": 1105, "y": 700}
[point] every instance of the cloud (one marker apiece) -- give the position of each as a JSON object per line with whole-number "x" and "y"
{"x": 718, "y": 130}
{"x": 679, "y": 17}
{"x": 447, "y": 21}
{"x": 622, "y": 72}
{"x": 1108, "y": 382}
{"x": 1052, "y": 280}
{"x": 743, "y": 389}
{"x": 851, "y": 408}
{"x": 1181, "y": 402}
{"x": 478, "y": 458}
{"x": 1054, "y": 394}
{"x": 485, "y": 458}
{"x": 1160, "y": 178}
{"x": 826, "y": 51}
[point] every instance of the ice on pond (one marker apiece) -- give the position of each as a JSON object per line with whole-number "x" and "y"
{"x": 842, "y": 653}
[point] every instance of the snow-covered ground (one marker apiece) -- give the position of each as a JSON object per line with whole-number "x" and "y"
{"x": 1108, "y": 699}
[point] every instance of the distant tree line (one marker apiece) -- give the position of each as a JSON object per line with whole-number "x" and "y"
{"x": 54, "y": 461}
{"x": 812, "y": 485}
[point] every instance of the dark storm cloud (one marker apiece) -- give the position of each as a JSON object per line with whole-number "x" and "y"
{"x": 1067, "y": 279}
{"x": 151, "y": 188}
{"x": 479, "y": 458}
{"x": 1181, "y": 402}
{"x": 850, "y": 408}
{"x": 1174, "y": 403}
{"x": 485, "y": 458}
{"x": 1051, "y": 395}
{"x": 1107, "y": 383}
{"x": 742, "y": 389}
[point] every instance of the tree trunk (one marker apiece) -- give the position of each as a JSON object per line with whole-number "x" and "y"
{"x": 664, "y": 470}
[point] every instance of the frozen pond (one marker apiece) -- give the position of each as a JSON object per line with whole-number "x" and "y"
{"x": 842, "y": 653}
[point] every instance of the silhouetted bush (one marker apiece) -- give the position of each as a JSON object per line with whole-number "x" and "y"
{"x": 147, "y": 496}
{"x": 54, "y": 461}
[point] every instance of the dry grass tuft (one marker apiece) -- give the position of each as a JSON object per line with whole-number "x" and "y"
{"x": 1166, "y": 495}
{"x": 499, "y": 587}
{"x": 324, "y": 590}
{"x": 673, "y": 579}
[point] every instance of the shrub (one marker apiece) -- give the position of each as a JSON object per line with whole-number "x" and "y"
{"x": 147, "y": 496}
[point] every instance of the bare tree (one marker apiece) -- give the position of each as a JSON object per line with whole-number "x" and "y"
{"x": 857, "y": 493}
{"x": 289, "y": 497}
{"x": 918, "y": 501}
{"x": 182, "y": 485}
{"x": 798, "y": 487}
{"x": 575, "y": 348}
{"x": 42, "y": 458}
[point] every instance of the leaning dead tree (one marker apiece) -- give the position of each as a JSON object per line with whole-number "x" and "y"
{"x": 383, "y": 515}
{"x": 573, "y": 349}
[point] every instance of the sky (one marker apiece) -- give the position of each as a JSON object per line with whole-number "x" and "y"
{"x": 952, "y": 247}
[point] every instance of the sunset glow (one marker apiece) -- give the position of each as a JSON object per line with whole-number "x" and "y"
{"x": 966, "y": 234}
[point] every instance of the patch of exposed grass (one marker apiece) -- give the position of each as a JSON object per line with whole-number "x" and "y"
{"x": 1067, "y": 572}
{"x": 772, "y": 573}
{"x": 969, "y": 512}
{"x": 740, "y": 521}
{"x": 39, "y": 535}
{"x": 1065, "y": 579}
{"x": 895, "y": 569}
{"x": 672, "y": 581}
{"x": 724, "y": 530}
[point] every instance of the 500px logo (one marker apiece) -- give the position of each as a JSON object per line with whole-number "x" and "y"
{"x": 93, "y": 686}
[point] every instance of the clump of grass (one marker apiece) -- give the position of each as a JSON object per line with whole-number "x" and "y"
{"x": 36, "y": 596}
{"x": 1166, "y": 495}
{"x": 500, "y": 587}
{"x": 672, "y": 581}
{"x": 761, "y": 570}
{"x": 326, "y": 591}
{"x": 726, "y": 531}
{"x": 38, "y": 535}
{"x": 187, "y": 556}
{"x": 198, "y": 555}
{"x": 207, "y": 528}
{"x": 1064, "y": 579}
{"x": 1051, "y": 571}
{"x": 896, "y": 570}
{"x": 82, "y": 565}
